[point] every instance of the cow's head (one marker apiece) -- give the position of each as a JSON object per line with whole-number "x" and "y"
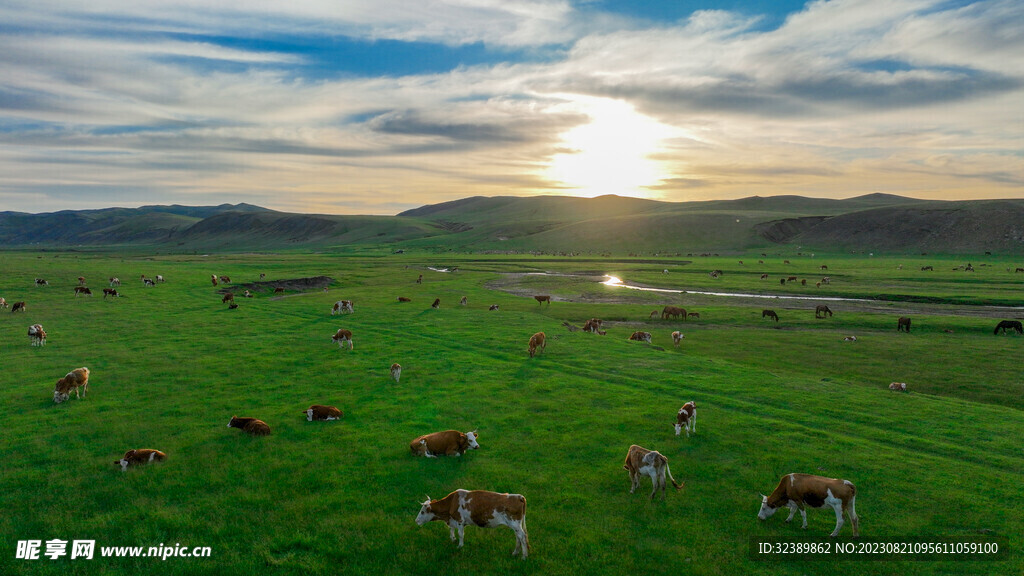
{"x": 679, "y": 428}
{"x": 232, "y": 422}
{"x": 59, "y": 396}
{"x": 766, "y": 510}
{"x": 426, "y": 513}
{"x": 472, "y": 436}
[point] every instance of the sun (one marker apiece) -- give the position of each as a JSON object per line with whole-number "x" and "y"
{"x": 612, "y": 153}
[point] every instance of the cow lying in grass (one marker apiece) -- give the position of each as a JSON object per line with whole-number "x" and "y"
{"x": 448, "y": 443}
{"x": 799, "y": 490}
{"x": 479, "y": 508}
{"x": 641, "y": 337}
{"x": 77, "y": 378}
{"x": 139, "y": 457}
{"x": 251, "y": 426}
{"x": 322, "y": 413}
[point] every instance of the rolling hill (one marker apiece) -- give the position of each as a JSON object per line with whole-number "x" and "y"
{"x": 872, "y": 223}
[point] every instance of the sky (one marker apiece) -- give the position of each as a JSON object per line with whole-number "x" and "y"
{"x": 378, "y": 106}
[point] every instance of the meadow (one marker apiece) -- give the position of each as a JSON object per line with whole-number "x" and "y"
{"x": 171, "y": 364}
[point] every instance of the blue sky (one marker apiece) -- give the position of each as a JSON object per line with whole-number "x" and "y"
{"x": 373, "y": 107}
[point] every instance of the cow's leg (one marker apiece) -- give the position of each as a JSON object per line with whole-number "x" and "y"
{"x": 451, "y": 530}
{"x": 792, "y": 511}
{"x": 839, "y": 518}
{"x": 654, "y": 483}
{"x": 854, "y": 521}
{"x": 85, "y": 389}
{"x": 462, "y": 529}
{"x": 634, "y": 481}
{"x": 803, "y": 515}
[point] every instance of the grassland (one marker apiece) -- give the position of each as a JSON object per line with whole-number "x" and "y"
{"x": 171, "y": 364}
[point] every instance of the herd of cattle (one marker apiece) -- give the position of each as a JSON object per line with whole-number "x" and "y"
{"x": 489, "y": 509}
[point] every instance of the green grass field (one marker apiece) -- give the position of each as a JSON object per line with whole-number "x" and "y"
{"x": 171, "y": 365}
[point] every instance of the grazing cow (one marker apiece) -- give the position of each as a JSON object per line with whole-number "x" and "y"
{"x": 404, "y": 299}
{"x": 139, "y": 457}
{"x": 81, "y": 280}
{"x": 77, "y": 378}
{"x": 1019, "y": 270}
{"x": 672, "y": 311}
{"x": 447, "y": 443}
{"x": 799, "y": 490}
{"x": 1004, "y": 326}
{"x": 543, "y": 298}
{"x": 493, "y": 307}
{"x": 826, "y": 280}
{"x": 322, "y": 413}
{"x": 640, "y": 461}
{"x": 225, "y": 279}
{"x": 148, "y": 282}
{"x": 817, "y": 284}
{"x": 677, "y": 337}
{"x": 803, "y": 282}
{"x": 850, "y": 339}
{"x": 791, "y": 279}
{"x": 233, "y": 305}
{"x": 769, "y": 314}
{"x": 229, "y": 297}
{"x": 760, "y": 261}
{"x": 687, "y": 418}
{"x": 160, "y": 278}
{"x": 479, "y": 508}
{"x": 594, "y": 326}
{"x": 213, "y": 279}
{"x": 782, "y": 281}
{"x": 436, "y": 304}
{"x": 655, "y": 315}
{"x": 341, "y": 337}
{"x": 903, "y": 324}
{"x": 251, "y": 426}
{"x": 343, "y": 307}
{"x": 641, "y": 337}
{"x": 36, "y": 335}
{"x": 463, "y": 301}
{"x": 823, "y": 267}
{"x": 41, "y": 282}
{"x": 420, "y": 279}
{"x": 785, "y": 261}
{"x": 396, "y": 371}
{"x": 278, "y": 290}
{"x": 110, "y": 292}
{"x": 248, "y": 294}
{"x": 538, "y": 340}
{"x": 694, "y": 315}
{"x": 3, "y": 303}
{"x": 821, "y": 311}
{"x": 18, "y": 306}
{"x": 82, "y": 290}
{"x": 923, "y": 268}
{"x": 764, "y": 276}
{"x": 262, "y": 276}
{"x": 114, "y": 281}
{"x": 898, "y": 386}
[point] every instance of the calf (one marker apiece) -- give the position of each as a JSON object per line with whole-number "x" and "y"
{"x": 673, "y": 311}
{"x": 898, "y": 386}
{"x": 641, "y": 461}
{"x": 278, "y": 290}
{"x": 160, "y": 278}
{"x": 225, "y": 279}
{"x": 114, "y": 281}
{"x": 799, "y": 490}
{"x": 694, "y": 315}
{"x": 232, "y": 306}
{"x": 764, "y": 276}
{"x": 594, "y": 326}
{"x": 251, "y": 426}
{"x": 3, "y": 303}
{"x": 229, "y": 297}
{"x": 404, "y": 299}
{"x": 36, "y": 335}
{"x": 77, "y": 378}
{"x": 18, "y": 307}
{"x": 448, "y": 443}
{"x": 687, "y": 418}
{"x": 213, "y": 279}
{"x": 110, "y": 292}
{"x": 849, "y": 339}
{"x": 542, "y": 299}
{"x": 248, "y": 294}
{"x": 396, "y": 371}
{"x": 463, "y": 301}
{"x": 342, "y": 337}
{"x": 480, "y": 508}
{"x": 493, "y": 307}
{"x": 436, "y": 304}
{"x": 323, "y": 413}
{"x": 677, "y": 337}
{"x": 41, "y": 282}
{"x": 79, "y": 290}
{"x": 343, "y": 307}
{"x": 821, "y": 311}
{"x": 139, "y": 457}
{"x": 538, "y": 340}
{"x": 655, "y": 315}
{"x": 81, "y": 280}
{"x": 148, "y": 282}
{"x": 420, "y": 279}
{"x": 641, "y": 337}
{"x": 903, "y": 324}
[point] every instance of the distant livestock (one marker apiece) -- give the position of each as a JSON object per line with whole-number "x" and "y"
{"x": 79, "y": 290}
{"x": 594, "y": 326}
{"x": 250, "y": 426}
{"x": 923, "y": 268}
{"x": 148, "y": 282}
{"x": 463, "y": 301}
{"x": 213, "y": 279}
{"x": 493, "y": 307}
{"x": 898, "y": 386}
{"x": 821, "y": 311}
{"x": 796, "y": 491}
{"x": 436, "y": 304}
{"x": 343, "y": 307}
{"x": 160, "y": 278}
{"x": 420, "y": 279}
{"x": 36, "y": 335}
{"x": 1004, "y": 326}
{"x": 139, "y": 457}
{"x": 769, "y": 314}
{"x": 77, "y": 378}
{"x": 81, "y": 280}
{"x": 114, "y": 281}
{"x": 404, "y": 299}
{"x": 687, "y": 418}
{"x": 782, "y": 281}
{"x": 396, "y": 371}
{"x": 641, "y": 337}
{"x": 537, "y": 342}
{"x": 3, "y": 303}
{"x": 18, "y": 307}
{"x": 791, "y": 279}
{"x": 41, "y": 282}
{"x": 320, "y": 412}
{"x": 447, "y": 443}
{"x": 849, "y": 339}
{"x": 764, "y": 276}
{"x": 543, "y": 298}
{"x": 233, "y": 305}
{"x": 672, "y": 312}
{"x": 643, "y": 462}
{"x": 903, "y": 324}
{"x": 677, "y": 337}
{"x": 695, "y": 315}
{"x": 655, "y": 315}
{"x": 343, "y": 337}
{"x": 110, "y": 292}
{"x": 247, "y": 294}
{"x": 225, "y": 279}
{"x": 479, "y": 508}
{"x": 229, "y": 297}
{"x": 278, "y": 290}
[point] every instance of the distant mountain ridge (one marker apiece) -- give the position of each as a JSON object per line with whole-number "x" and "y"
{"x": 874, "y": 222}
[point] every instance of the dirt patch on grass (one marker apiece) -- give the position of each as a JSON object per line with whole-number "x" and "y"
{"x": 311, "y": 284}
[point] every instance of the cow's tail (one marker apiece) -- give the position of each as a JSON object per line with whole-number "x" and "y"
{"x": 669, "y": 472}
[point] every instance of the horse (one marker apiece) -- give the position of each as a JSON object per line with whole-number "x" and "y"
{"x": 821, "y": 311}
{"x": 903, "y": 324}
{"x": 1009, "y": 324}
{"x": 770, "y": 314}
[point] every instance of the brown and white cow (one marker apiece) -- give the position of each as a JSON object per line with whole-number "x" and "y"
{"x": 229, "y": 297}
{"x": 342, "y": 337}
{"x": 673, "y": 311}
{"x": 114, "y": 281}
{"x": 537, "y": 341}
{"x": 248, "y": 294}
{"x": 322, "y": 413}
{"x": 213, "y": 279}
{"x": 81, "y": 280}
{"x": 594, "y": 326}
{"x": 479, "y": 508}
{"x": 110, "y": 292}
{"x": 396, "y": 371}
{"x": 898, "y": 386}
{"x": 641, "y": 461}
{"x": 436, "y": 304}
{"x": 3, "y": 303}
{"x": 687, "y": 418}
{"x": 343, "y": 307}
{"x": 542, "y": 299}
{"x": 447, "y": 443}
{"x": 799, "y": 490}
{"x": 677, "y": 337}
{"x": 148, "y": 282}
{"x": 160, "y": 278}
{"x": 36, "y": 335}
{"x": 139, "y": 457}
{"x": 463, "y": 301}
{"x": 641, "y": 337}
{"x": 82, "y": 290}
{"x": 493, "y": 307}
{"x": 251, "y": 426}
{"x": 18, "y": 307}
{"x": 225, "y": 280}
{"x": 77, "y": 378}
{"x": 41, "y": 282}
